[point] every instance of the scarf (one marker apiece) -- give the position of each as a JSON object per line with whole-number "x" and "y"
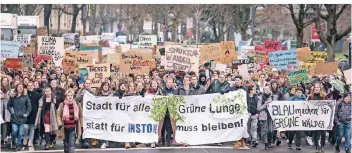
{"x": 66, "y": 112}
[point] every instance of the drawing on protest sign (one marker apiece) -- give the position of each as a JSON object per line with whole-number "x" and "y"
{"x": 27, "y": 59}
{"x": 182, "y": 58}
{"x": 303, "y": 54}
{"x": 260, "y": 57}
{"x": 39, "y": 59}
{"x": 97, "y": 73}
{"x": 283, "y": 59}
{"x": 210, "y": 52}
{"x": 53, "y": 46}
{"x": 147, "y": 41}
{"x": 326, "y": 68}
{"x": 244, "y": 52}
{"x": 298, "y": 76}
{"x": 42, "y": 31}
{"x": 318, "y": 56}
{"x": 9, "y": 49}
{"x": 135, "y": 62}
{"x": 14, "y": 63}
{"x": 302, "y": 115}
{"x": 24, "y": 40}
{"x": 69, "y": 62}
{"x": 227, "y": 50}
{"x": 348, "y": 76}
{"x": 270, "y": 46}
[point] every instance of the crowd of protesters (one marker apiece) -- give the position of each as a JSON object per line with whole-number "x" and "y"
{"x": 37, "y": 103}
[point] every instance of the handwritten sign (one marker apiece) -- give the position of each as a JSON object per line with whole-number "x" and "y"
{"x": 227, "y": 50}
{"x": 42, "y": 31}
{"x": 240, "y": 44}
{"x": 303, "y": 54}
{"x": 135, "y": 62}
{"x": 348, "y": 76}
{"x": 97, "y": 73}
{"x": 9, "y": 49}
{"x": 326, "y": 68}
{"x": 243, "y": 70}
{"x": 260, "y": 57}
{"x": 69, "y": 62}
{"x": 25, "y": 40}
{"x": 147, "y": 41}
{"x": 52, "y": 46}
{"x": 318, "y": 56}
{"x": 210, "y": 52}
{"x": 116, "y": 74}
{"x": 270, "y": 46}
{"x": 14, "y": 63}
{"x": 298, "y": 76}
{"x": 283, "y": 59}
{"x": 182, "y": 58}
{"x": 308, "y": 65}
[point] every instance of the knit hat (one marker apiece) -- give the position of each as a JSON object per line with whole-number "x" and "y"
{"x": 348, "y": 94}
{"x": 52, "y": 72}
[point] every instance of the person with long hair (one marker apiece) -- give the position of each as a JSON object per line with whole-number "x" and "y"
{"x": 6, "y": 116}
{"x": 265, "y": 121}
{"x": 69, "y": 117}
{"x": 104, "y": 90}
{"x": 38, "y": 88}
{"x": 25, "y": 82}
{"x": 46, "y": 117}
{"x": 19, "y": 106}
{"x": 63, "y": 81}
{"x": 147, "y": 81}
{"x": 317, "y": 93}
{"x": 138, "y": 78}
{"x": 121, "y": 90}
{"x": 131, "y": 91}
{"x": 155, "y": 89}
{"x": 141, "y": 88}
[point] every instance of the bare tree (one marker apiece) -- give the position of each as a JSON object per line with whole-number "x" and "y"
{"x": 59, "y": 11}
{"x": 330, "y": 16}
{"x": 47, "y": 13}
{"x": 75, "y": 11}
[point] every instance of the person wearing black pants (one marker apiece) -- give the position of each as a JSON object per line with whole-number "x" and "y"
{"x": 291, "y": 135}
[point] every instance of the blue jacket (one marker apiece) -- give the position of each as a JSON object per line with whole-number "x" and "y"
{"x": 295, "y": 98}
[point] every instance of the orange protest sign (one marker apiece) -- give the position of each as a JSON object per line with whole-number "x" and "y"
{"x": 227, "y": 50}
{"x": 303, "y": 54}
{"x": 135, "y": 62}
{"x": 326, "y": 68}
{"x": 210, "y": 52}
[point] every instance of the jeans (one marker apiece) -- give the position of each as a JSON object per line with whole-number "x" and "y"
{"x": 69, "y": 140}
{"x": 267, "y": 131}
{"x": 252, "y": 128}
{"x": 319, "y": 134}
{"x": 18, "y": 131}
{"x": 344, "y": 130}
{"x": 291, "y": 135}
{"x": 29, "y": 131}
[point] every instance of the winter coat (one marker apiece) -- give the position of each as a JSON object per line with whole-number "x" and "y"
{"x": 235, "y": 88}
{"x": 5, "y": 113}
{"x": 18, "y": 106}
{"x": 197, "y": 90}
{"x": 296, "y": 98}
{"x": 60, "y": 122}
{"x": 119, "y": 93}
{"x": 80, "y": 94}
{"x": 59, "y": 95}
{"x": 34, "y": 97}
{"x": 168, "y": 91}
{"x": 252, "y": 103}
{"x": 157, "y": 92}
{"x": 263, "y": 105}
{"x": 343, "y": 112}
{"x": 182, "y": 91}
{"x": 217, "y": 87}
{"x": 41, "y": 112}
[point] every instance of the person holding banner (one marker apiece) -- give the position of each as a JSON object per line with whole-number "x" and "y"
{"x": 318, "y": 93}
{"x": 343, "y": 121}
{"x": 121, "y": 90}
{"x": 155, "y": 89}
{"x": 131, "y": 91}
{"x": 104, "y": 90}
{"x": 252, "y": 126}
{"x": 69, "y": 117}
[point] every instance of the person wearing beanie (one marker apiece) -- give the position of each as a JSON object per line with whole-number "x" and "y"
{"x": 52, "y": 75}
{"x": 343, "y": 122}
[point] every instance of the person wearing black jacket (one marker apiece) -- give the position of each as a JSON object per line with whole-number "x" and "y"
{"x": 252, "y": 125}
{"x": 60, "y": 97}
{"x": 30, "y": 131}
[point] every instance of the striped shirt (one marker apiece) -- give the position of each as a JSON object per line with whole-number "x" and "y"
{"x": 70, "y": 123}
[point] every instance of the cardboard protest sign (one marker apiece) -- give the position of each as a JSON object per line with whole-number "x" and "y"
{"x": 298, "y": 76}
{"x": 270, "y": 46}
{"x": 135, "y": 62}
{"x": 182, "y": 58}
{"x": 243, "y": 70}
{"x": 308, "y": 65}
{"x": 108, "y": 36}
{"x": 113, "y": 58}
{"x": 303, "y": 54}
{"x": 38, "y": 59}
{"x": 116, "y": 74}
{"x": 118, "y": 49}
{"x": 302, "y": 115}
{"x": 27, "y": 59}
{"x": 69, "y": 62}
{"x": 348, "y": 76}
{"x": 147, "y": 41}
{"x": 227, "y": 50}
{"x": 14, "y": 63}
{"x": 210, "y": 52}
{"x": 318, "y": 56}
{"x": 221, "y": 67}
{"x": 260, "y": 57}
{"x": 267, "y": 69}
{"x": 326, "y": 68}
{"x": 25, "y": 39}
{"x": 97, "y": 73}
{"x": 9, "y": 49}
{"x": 53, "y": 46}
{"x": 283, "y": 59}
{"x": 42, "y": 31}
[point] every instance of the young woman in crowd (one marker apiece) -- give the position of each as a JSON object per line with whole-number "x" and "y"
{"x": 147, "y": 81}
{"x": 19, "y": 106}
{"x": 265, "y": 121}
{"x": 121, "y": 90}
{"x": 105, "y": 91}
{"x": 69, "y": 117}
{"x": 141, "y": 88}
{"x": 63, "y": 82}
{"x": 318, "y": 93}
{"x": 155, "y": 89}
{"x": 38, "y": 88}
{"x": 202, "y": 80}
{"x": 138, "y": 78}
{"x": 5, "y": 113}
{"x": 25, "y": 82}
{"x": 131, "y": 91}
{"x": 46, "y": 117}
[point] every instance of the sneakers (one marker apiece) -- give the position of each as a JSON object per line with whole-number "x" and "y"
{"x": 127, "y": 145}
{"x": 337, "y": 149}
{"x": 348, "y": 151}
{"x": 19, "y": 148}
{"x": 30, "y": 144}
{"x": 25, "y": 141}
{"x": 103, "y": 146}
{"x": 152, "y": 145}
{"x": 298, "y": 148}
{"x": 255, "y": 144}
{"x": 289, "y": 146}
{"x": 310, "y": 141}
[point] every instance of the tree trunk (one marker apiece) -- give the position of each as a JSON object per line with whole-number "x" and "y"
{"x": 216, "y": 36}
{"x": 299, "y": 38}
{"x": 174, "y": 32}
{"x": 331, "y": 51}
{"x": 231, "y": 33}
{"x": 47, "y": 13}
{"x": 84, "y": 16}
{"x": 111, "y": 26}
{"x": 155, "y": 27}
{"x": 140, "y": 26}
{"x": 74, "y": 17}
{"x": 243, "y": 34}
{"x": 58, "y": 21}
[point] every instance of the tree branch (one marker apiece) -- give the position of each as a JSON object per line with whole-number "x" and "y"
{"x": 292, "y": 13}
{"x": 343, "y": 34}
{"x": 308, "y": 23}
{"x": 344, "y": 6}
{"x": 63, "y": 10}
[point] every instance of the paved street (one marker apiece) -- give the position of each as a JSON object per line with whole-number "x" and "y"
{"x": 227, "y": 148}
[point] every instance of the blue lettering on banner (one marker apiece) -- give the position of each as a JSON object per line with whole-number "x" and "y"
{"x": 142, "y": 128}
{"x": 283, "y": 59}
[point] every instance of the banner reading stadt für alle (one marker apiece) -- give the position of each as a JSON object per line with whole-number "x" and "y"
{"x": 200, "y": 119}
{"x": 302, "y": 115}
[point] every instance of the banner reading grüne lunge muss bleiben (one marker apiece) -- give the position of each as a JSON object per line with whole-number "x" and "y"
{"x": 200, "y": 119}
{"x": 302, "y": 115}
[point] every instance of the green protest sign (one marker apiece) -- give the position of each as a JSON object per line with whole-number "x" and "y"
{"x": 298, "y": 76}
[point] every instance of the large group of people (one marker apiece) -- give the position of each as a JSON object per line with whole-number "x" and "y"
{"x": 38, "y": 103}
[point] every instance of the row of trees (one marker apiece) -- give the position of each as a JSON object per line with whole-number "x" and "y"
{"x": 223, "y": 19}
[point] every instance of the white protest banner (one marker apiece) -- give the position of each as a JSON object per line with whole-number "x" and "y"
{"x": 108, "y": 36}
{"x": 9, "y": 49}
{"x": 302, "y": 115}
{"x": 212, "y": 118}
{"x": 182, "y": 58}
{"x": 53, "y": 46}
{"x": 147, "y": 41}
{"x": 120, "y": 120}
